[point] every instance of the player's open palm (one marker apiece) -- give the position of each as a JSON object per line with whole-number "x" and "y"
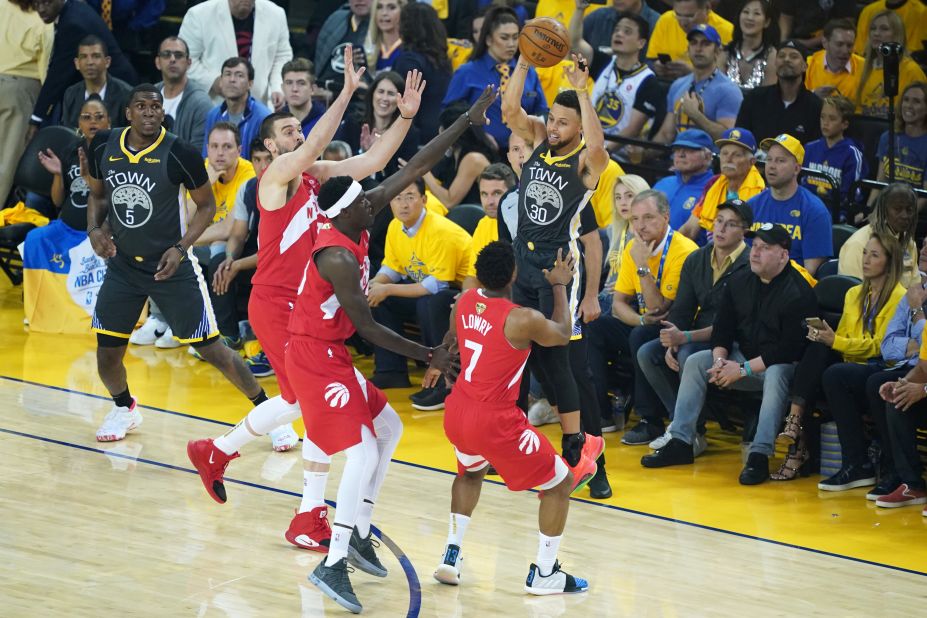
{"x": 563, "y": 271}
{"x": 477, "y": 111}
{"x": 352, "y": 78}
{"x": 411, "y": 98}
{"x": 578, "y": 74}
{"x": 50, "y": 161}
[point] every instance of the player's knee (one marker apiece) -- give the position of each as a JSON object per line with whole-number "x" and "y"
{"x": 475, "y": 476}
{"x": 563, "y": 488}
{"x": 215, "y": 352}
{"x": 109, "y": 357}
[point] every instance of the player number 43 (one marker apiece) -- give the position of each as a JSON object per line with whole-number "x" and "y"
{"x": 477, "y": 349}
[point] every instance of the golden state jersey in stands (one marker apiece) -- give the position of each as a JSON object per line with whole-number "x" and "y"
{"x": 552, "y": 196}
{"x": 145, "y": 211}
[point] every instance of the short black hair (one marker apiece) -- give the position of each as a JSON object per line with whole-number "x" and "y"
{"x": 418, "y": 183}
{"x": 569, "y": 98}
{"x": 89, "y": 41}
{"x": 499, "y": 171}
{"x": 146, "y": 89}
{"x": 643, "y": 28}
{"x": 223, "y": 125}
{"x": 267, "y": 125}
{"x": 175, "y": 38}
{"x": 257, "y": 145}
{"x": 333, "y": 190}
{"x": 231, "y": 63}
{"x": 495, "y": 265}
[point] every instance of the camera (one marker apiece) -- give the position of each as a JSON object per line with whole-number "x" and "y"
{"x": 891, "y": 50}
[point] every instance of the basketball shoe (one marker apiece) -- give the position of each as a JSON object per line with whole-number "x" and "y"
{"x": 149, "y": 332}
{"x": 311, "y": 530}
{"x": 558, "y": 582}
{"x": 586, "y": 468}
{"x": 448, "y": 572}
{"x": 362, "y": 554}
{"x": 118, "y": 422}
{"x": 334, "y": 582}
{"x": 283, "y": 438}
{"x": 211, "y": 463}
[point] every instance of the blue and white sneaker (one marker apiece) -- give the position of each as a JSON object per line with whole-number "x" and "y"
{"x": 448, "y": 572}
{"x": 259, "y": 365}
{"x": 558, "y": 582}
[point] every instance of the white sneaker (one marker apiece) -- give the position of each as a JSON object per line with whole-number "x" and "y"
{"x": 167, "y": 341}
{"x": 558, "y": 582}
{"x": 700, "y": 444}
{"x": 660, "y": 442}
{"x": 448, "y": 572}
{"x": 119, "y": 422}
{"x": 149, "y": 332}
{"x": 541, "y": 413}
{"x": 284, "y": 438}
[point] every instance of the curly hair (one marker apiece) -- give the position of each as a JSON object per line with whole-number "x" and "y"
{"x": 423, "y": 32}
{"x": 495, "y": 265}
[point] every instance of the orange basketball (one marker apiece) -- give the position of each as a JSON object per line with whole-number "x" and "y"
{"x": 544, "y": 42}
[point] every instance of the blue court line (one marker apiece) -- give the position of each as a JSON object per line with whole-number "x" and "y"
{"x": 415, "y": 587}
{"x": 494, "y": 482}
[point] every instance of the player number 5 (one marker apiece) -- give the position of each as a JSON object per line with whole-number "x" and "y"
{"x": 477, "y": 350}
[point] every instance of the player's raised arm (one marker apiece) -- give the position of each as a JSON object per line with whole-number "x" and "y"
{"x": 527, "y": 325}
{"x": 432, "y": 152}
{"x": 530, "y": 128}
{"x": 596, "y": 154}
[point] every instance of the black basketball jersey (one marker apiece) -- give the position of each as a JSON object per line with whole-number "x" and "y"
{"x": 76, "y": 192}
{"x": 145, "y": 211}
{"x": 551, "y": 197}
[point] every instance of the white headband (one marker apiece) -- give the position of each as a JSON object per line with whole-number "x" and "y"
{"x": 346, "y": 200}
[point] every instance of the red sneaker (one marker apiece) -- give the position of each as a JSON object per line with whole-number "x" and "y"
{"x": 902, "y": 496}
{"x": 310, "y": 530}
{"x": 210, "y": 462}
{"x": 586, "y": 468}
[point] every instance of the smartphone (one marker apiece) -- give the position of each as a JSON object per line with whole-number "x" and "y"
{"x": 814, "y": 323}
{"x": 664, "y": 58}
{"x": 597, "y": 1}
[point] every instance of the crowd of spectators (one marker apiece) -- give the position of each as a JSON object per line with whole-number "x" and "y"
{"x": 760, "y": 125}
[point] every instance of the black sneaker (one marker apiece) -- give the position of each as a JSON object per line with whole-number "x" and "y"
{"x": 756, "y": 471}
{"x": 850, "y": 477}
{"x": 886, "y": 486}
{"x": 390, "y": 380}
{"x": 642, "y": 433}
{"x": 425, "y": 392}
{"x": 433, "y": 400}
{"x": 675, "y": 453}
{"x": 362, "y": 555}
{"x": 334, "y": 581}
{"x": 599, "y": 489}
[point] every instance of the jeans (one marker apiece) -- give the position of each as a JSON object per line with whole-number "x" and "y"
{"x": 651, "y": 357}
{"x": 431, "y": 312}
{"x": 774, "y": 383}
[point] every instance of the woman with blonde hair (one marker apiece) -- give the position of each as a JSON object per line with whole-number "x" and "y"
{"x": 382, "y": 43}
{"x": 841, "y": 361}
{"x": 619, "y": 232}
{"x": 885, "y": 27}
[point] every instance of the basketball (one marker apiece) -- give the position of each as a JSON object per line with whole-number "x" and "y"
{"x": 544, "y": 42}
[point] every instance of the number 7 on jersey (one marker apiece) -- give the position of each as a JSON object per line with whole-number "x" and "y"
{"x": 477, "y": 350}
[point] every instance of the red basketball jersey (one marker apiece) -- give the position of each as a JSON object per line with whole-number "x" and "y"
{"x": 286, "y": 237}
{"x": 490, "y": 368}
{"x": 317, "y": 312}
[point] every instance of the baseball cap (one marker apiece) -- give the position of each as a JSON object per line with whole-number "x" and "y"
{"x": 741, "y": 137}
{"x": 794, "y": 44}
{"x": 741, "y": 208}
{"x": 693, "y": 138}
{"x": 773, "y": 234}
{"x": 789, "y": 143}
{"x": 707, "y": 31}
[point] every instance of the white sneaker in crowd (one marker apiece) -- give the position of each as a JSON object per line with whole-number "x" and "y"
{"x": 541, "y": 413}
{"x": 149, "y": 332}
{"x": 167, "y": 341}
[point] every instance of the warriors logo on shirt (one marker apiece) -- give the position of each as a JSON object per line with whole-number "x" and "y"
{"x": 543, "y": 201}
{"x": 609, "y": 109}
{"x": 132, "y": 205}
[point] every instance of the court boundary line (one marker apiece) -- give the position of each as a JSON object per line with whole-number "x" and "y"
{"x": 415, "y": 586}
{"x": 613, "y": 507}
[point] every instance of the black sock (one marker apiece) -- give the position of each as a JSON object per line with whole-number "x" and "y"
{"x": 572, "y": 446}
{"x": 123, "y": 400}
{"x": 257, "y": 399}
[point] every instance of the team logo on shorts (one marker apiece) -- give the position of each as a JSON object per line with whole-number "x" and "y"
{"x": 132, "y": 205}
{"x": 543, "y": 202}
{"x": 529, "y": 442}
{"x": 480, "y": 308}
{"x": 337, "y": 395}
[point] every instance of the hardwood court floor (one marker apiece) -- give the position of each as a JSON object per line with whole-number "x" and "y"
{"x": 126, "y": 528}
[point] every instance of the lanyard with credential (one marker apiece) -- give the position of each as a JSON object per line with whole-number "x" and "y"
{"x": 641, "y": 306}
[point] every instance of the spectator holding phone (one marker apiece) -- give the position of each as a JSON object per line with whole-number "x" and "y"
{"x": 668, "y": 48}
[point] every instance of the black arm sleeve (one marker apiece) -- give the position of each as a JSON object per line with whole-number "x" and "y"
{"x": 685, "y": 306}
{"x": 185, "y": 166}
{"x": 95, "y": 155}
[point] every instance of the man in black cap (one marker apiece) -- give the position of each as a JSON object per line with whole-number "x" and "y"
{"x": 757, "y": 338}
{"x": 786, "y": 106}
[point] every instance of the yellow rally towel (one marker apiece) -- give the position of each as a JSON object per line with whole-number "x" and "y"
{"x": 20, "y": 214}
{"x": 716, "y": 194}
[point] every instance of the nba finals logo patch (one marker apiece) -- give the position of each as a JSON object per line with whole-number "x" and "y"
{"x": 480, "y": 308}
{"x": 337, "y": 395}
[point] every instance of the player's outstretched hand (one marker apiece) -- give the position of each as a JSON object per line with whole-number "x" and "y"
{"x": 352, "y": 78}
{"x": 168, "y": 264}
{"x": 411, "y": 98}
{"x": 578, "y": 74}
{"x": 563, "y": 271}
{"x": 477, "y": 111}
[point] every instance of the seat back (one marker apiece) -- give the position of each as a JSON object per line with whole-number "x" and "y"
{"x": 827, "y": 269}
{"x": 466, "y": 216}
{"x": 30, "y": 175}
{"x": 867, "y": 130}
{"x": 830, "y": 292}
{"x": 841, "y": 233}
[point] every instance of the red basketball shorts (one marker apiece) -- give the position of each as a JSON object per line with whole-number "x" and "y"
{"x": 335, "y": 399}
{"x": 269, "y": 314}
{"x": 498, "y": 433}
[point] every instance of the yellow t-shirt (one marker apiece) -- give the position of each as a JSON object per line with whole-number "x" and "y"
{"x": 851, "y": 340}
{"x": 487, "y": 231}
{"x": 668, "y": 38}
{"x": 440, "y": 249}
{"x": 433, "y": 204}
{"x": 603, "y": 199}
{"x": 912, "y": 13}
{"x": 458, "y": 52}
{"x": 629, "y": 283}
{"x": 923, "y": 351}
{"x": 553, "y": 80}
{"x": 846, "y": 82}
{"x": 706, "y": 209}
{"x": 225, "y": 192}
{"x": 562, "y": 10}
{"x": 873, "y": 101}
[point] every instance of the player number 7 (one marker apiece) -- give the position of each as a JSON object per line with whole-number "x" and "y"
{"x": 477, "y": 350}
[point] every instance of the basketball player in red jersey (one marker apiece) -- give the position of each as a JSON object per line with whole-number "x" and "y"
{"x": 485, "y": 425}
{"x": 286, "y": 233}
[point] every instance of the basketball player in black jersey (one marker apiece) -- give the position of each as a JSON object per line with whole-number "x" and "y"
{"x": 136, "y": 222}
{"x": 557, "y": 180}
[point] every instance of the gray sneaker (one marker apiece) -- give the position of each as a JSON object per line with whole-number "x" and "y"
{"x": 334, "y": 581}
{"x": 642, "y": 433}
{"x": 361, "y": 554}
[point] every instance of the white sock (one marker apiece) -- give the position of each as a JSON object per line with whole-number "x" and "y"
{"x": 364, "y": 515}
{"x": 338, "y": 546}
{"x": 547, "y": 552}
{"x": 457, "y": 528}
{"x": 260, "y": 420}
{"x": 313, "y": 490}
{"x": 358, "y": 469}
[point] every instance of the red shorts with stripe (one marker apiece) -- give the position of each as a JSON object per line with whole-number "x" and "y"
{"x": 335, "y": 399}
{"x": 269, "y": 314}
{"x": 499, "y": 434}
